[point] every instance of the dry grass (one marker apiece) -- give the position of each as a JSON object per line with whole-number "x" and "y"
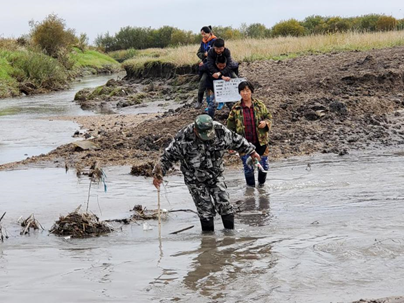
{"x": 8, "y": 44}
{"x": 274, "y": 48}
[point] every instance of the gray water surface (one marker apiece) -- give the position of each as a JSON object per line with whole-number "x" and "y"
{"x": 27, "y": 129}
{"x": 332, "y": 233}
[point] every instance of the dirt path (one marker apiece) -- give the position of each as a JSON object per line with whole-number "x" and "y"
{"x": 320, "y": 103}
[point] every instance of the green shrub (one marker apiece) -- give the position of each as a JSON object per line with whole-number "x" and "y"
{"x": 258, "y": 31}
{"x": 290, "y": 27}
{"x": 386, "y": 23}
{"x": 368, "y": 22}
{"x": 51, "y": 35}
{"x": 314, "y": 24}
{"x": 337, "y": 24}
{"x": 38, "y": 68}
{"x": 400, "y": 24}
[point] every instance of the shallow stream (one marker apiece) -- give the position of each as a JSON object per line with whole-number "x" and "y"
{"x": 324, "y": 229}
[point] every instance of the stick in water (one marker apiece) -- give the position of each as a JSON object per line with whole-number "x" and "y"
{"x": 181, "y": 230}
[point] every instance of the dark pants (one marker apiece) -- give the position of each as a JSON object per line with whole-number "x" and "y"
{"x": 249, "y": 169}
{"x": 203, "y": 70}
{"x": 203, "y": 194}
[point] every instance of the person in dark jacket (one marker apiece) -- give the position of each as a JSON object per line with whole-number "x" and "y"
{"x": 219, "y": 50}
{"x": 225, "y": 74}
{"x": 208, "y": 38}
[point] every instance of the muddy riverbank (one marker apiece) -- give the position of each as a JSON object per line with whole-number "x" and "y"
{"x": 328, "y": 103}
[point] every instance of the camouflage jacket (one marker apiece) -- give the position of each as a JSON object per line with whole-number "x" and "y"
{"x": 235, "y": 121}
{"x": 202, "y": 161}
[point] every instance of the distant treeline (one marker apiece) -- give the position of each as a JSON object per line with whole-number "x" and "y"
{"x": 146, "y": 37}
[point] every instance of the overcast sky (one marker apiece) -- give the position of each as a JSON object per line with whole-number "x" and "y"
{"x": 95, "y": 17}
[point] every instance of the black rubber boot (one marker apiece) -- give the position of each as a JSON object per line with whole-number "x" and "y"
{"x": 228, "y": 221}
{"x": 207, "y": 224}
{"x": 261, "y": 178}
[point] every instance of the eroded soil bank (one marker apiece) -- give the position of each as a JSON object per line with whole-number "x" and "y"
{"x": 329, "y": 103}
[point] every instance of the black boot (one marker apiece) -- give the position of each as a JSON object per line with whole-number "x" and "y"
{"x": 228, "y": 221}
{"x": 207, "y": 224}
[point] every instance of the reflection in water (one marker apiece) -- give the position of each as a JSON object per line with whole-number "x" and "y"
{"x": 220, "y": 262}
{"x": 254, "y": 209}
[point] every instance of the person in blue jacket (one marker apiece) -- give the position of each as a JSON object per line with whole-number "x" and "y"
{"x": 208, "y": 38}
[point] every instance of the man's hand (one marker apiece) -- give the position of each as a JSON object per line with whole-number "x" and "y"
{"x": 262, "y": 124}
{"x": 255, "y": 155}
{"x": 157, "y": 182}
{"x": 226, "y": 78}
{"x": 216, "y": 75}
{"x": 200, "y": 63}
{"x": 157, "y": 175}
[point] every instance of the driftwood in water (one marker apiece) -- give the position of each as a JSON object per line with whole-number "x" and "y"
{"x": 3, "y": 232}
{"x": 80, "y": 225}
{"x": 141, "y": 213}
{"x": 30, "y": 222}
{"x": 181, "y": 230}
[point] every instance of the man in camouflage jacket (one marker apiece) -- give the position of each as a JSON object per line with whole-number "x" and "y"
{"x": 200, "y": 148}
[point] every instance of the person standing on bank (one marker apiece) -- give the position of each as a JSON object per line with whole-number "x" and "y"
{"x": 200, "y": 147}
{"x": 208, "y": 38}
{"x": 250, "y": 118}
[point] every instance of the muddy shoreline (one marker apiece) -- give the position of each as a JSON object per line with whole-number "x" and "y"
{"x": 329, "y": 103}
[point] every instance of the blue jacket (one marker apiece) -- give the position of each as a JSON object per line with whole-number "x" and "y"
{"x": 205, "y": 47}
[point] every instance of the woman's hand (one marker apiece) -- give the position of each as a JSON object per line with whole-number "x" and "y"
{"x": 226, "y": 78}
{"x": 200, "y": 63}
{"x": 255, "y": 156}
{"x": 262, "y": 124}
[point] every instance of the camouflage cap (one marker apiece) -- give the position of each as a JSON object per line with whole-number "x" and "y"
{"x": 204, "y": 127}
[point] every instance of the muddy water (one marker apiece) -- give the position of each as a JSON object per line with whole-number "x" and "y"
{"x": 27, "y": 128}
{"x": 331, "y": 232}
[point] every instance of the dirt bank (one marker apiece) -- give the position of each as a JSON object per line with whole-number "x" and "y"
{"x": 330, "y": 103}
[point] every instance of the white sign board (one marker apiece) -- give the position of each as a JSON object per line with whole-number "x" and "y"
{"x": 227, "y": 91}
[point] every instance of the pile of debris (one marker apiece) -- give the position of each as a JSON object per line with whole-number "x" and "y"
{"x": 145, "y": 214}
{"x": 30, "y": 222}
{"x": 80, "y": 225}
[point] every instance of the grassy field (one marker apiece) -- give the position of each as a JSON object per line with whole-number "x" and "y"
{"x": 249, "y": 50}
{"x": 93, "y": 59}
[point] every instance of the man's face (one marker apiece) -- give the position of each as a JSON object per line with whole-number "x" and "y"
{"x": 221, "y": 66}
{"x": 219, "y": 50}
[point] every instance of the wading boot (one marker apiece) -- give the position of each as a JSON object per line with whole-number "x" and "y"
{"x": 207, "y": 224}
{"x": 228, "y": 221}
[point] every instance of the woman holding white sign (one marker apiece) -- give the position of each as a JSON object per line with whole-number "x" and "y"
{"x": 250, "y": 118}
